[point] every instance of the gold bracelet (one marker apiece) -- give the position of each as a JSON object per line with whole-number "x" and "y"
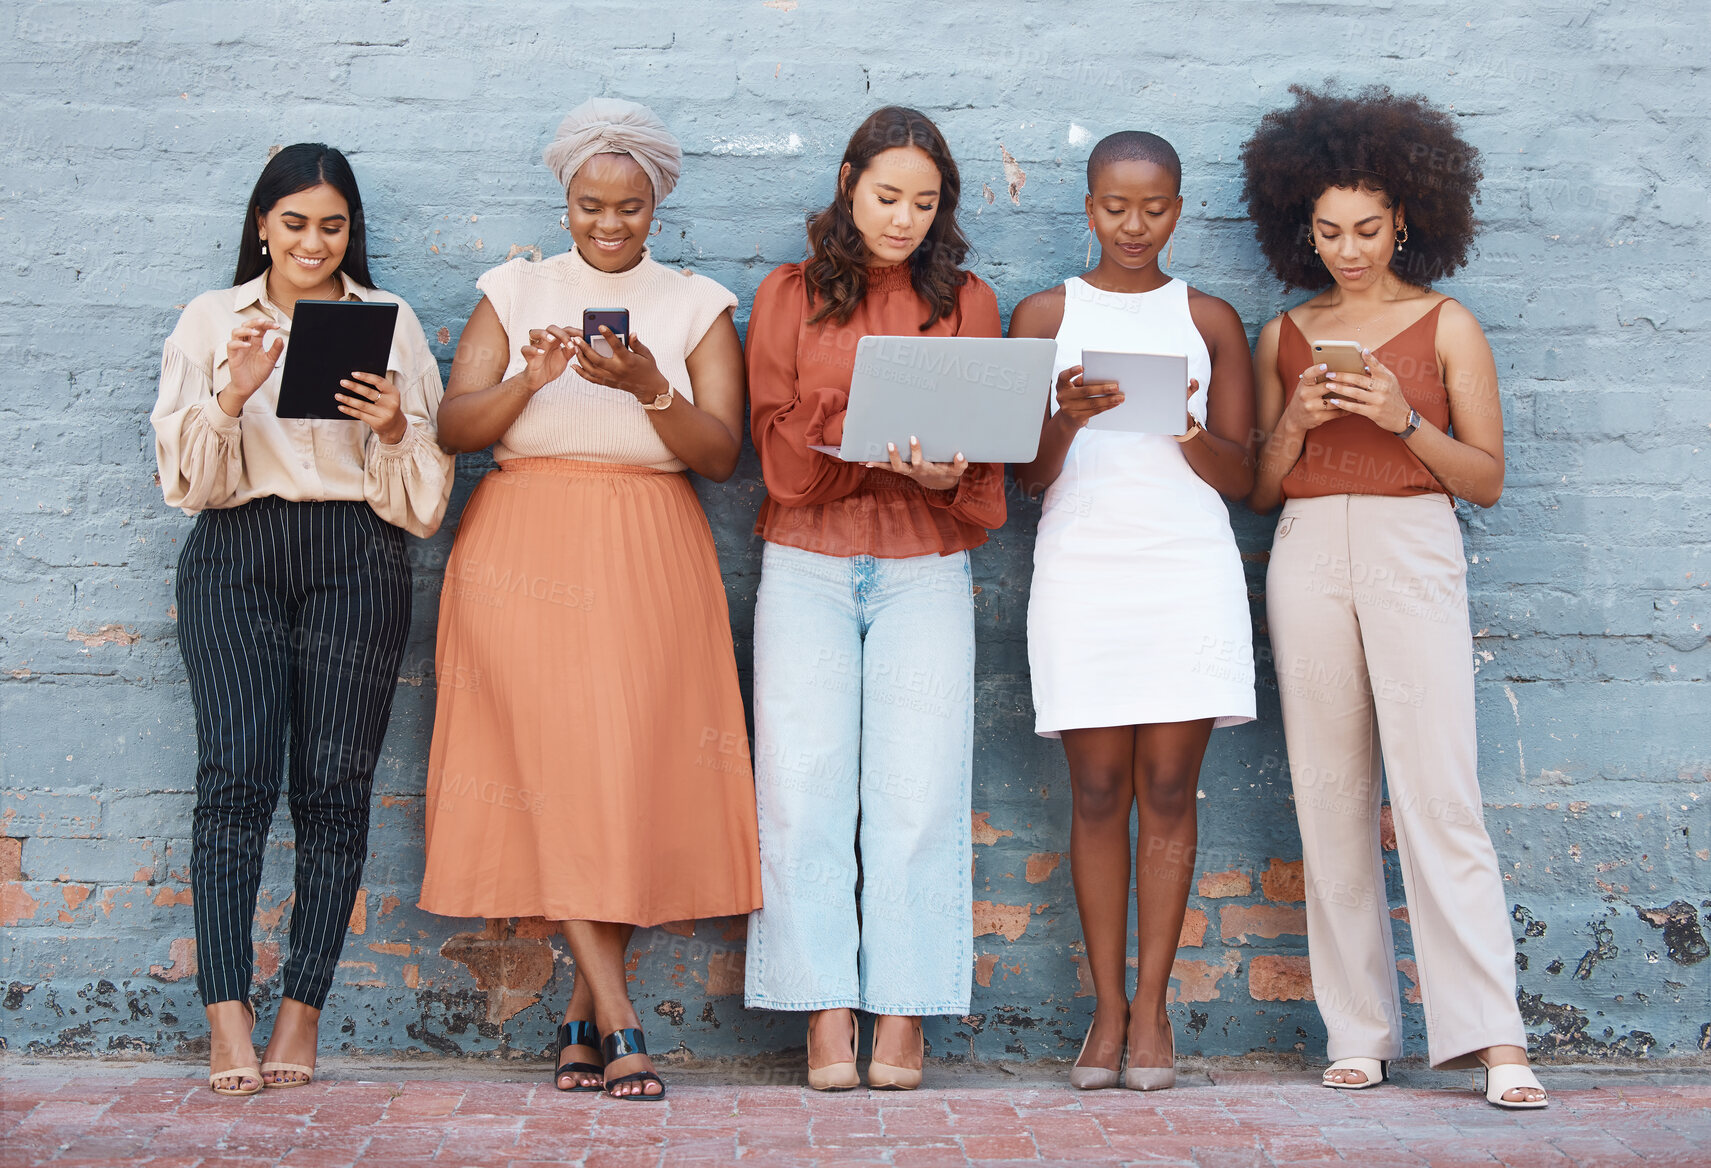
{"x": 1193, "y": 432}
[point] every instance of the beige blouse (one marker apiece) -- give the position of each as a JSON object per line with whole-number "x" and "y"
{"x": 210, "y": 460}
{"x": 670, "y": 311}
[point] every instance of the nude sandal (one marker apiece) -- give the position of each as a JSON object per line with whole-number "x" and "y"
{"x": 840, "y": 1076}
{"x": 239, "y": 1073}
{"x": 1505, "y": 1077}
{"x": 308, "y": 1074}
{"x": 886, "y": 1077}
{"x": 1092, "y": 1078}
{"x": 1376, "y": 1071}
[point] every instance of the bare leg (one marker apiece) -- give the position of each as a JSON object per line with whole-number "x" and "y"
{"x": 294, "y": 1040}
{"x": 580, "y": 1008}
{"x": 897, "y": 1041}
{"x": 229, "y": 1045}
{"x": 1166, "y": 778}
{"x": 599, "y": 947}
{"x": 1101, "y": 765}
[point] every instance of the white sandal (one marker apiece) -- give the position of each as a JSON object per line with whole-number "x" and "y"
{"x": 1376, "y": 1071}
{"x": 1504, "y": 1078}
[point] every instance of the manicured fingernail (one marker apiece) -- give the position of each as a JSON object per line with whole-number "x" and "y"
{"x": 913, "y": 441}
{"x": 891, "y": 446}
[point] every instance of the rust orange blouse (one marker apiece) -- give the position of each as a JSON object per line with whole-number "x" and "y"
{"x": 1352, "y": 455}
{"x": 799, "y": 385}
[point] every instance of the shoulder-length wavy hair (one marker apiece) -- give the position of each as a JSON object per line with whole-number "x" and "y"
{"x": 297, "y": 168}
{"x": 836, "y": 271}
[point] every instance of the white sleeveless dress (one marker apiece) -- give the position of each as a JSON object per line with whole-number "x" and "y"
{"x": 1139, "y": 608}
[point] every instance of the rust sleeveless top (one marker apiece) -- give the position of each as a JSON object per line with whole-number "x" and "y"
{"x": 1352, "y": 455}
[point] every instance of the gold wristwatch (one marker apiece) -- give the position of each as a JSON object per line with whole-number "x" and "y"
{"x": 1193, "y": 431}
{"x": 660, "y": 401}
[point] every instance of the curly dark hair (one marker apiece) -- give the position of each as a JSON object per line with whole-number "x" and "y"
{"x": 836, "y": 271}
{"x": 1403, "y": 147}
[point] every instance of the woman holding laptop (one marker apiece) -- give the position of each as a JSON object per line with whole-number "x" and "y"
{"x": 595, "y": 769}
{"x": 293, "y": 592}
{"x": 1368, "y": 201}
{"x": 1139, "y": 637}
{"x": 864, "y": 626}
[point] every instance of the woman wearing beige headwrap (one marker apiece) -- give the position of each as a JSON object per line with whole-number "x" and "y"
{"x": 590, "y": 762}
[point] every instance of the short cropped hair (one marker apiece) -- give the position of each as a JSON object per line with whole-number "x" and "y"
{"x": 1133, "y": 146}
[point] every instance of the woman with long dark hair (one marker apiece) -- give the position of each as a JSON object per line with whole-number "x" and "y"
{"x": 1367, "y": 201}
{"x": 864, "y": 626}
{"x": 293, "y": 592}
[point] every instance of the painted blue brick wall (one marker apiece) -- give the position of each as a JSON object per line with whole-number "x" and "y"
{"x": 132, "y": 133}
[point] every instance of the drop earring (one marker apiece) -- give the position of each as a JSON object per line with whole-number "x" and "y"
{"x": 1089, "y": 248}
{"x": 1170, "y": 250}
{"x": 264, "y": 247}
{"x": 1402, "y": 237}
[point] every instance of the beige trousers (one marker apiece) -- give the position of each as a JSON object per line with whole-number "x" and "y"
{"x": 1366, "y": 597}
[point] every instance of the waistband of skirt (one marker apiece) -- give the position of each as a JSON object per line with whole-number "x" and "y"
{"x": 571, "y": 466}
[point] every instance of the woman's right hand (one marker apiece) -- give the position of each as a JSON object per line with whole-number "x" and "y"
{"x": 547, "y": 355}
{"x": 1308, "y": 409}
{"x": 250, "y": 361}
{"x": 1079, "y": 401}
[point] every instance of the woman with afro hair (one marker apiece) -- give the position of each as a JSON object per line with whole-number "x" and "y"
{"x": 1367, "y": 201}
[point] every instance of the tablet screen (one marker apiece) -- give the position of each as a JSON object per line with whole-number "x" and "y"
{"x": 331, "y": 339}
{"x": 1155, "y": 391}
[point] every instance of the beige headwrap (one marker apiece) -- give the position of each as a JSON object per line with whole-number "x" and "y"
{"x": 610, "y": 125}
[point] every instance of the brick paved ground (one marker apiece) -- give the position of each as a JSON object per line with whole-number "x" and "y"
{"x": 155, "y": 1114}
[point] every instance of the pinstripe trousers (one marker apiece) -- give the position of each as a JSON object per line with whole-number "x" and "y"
{"x": 292, "y": 619}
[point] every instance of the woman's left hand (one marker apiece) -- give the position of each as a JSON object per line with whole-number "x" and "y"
{"x": 1376, "y": 394}
{"x": 631, "y": 369}
{"x": 375, "y": 400}
{"x": 935, "y": 476}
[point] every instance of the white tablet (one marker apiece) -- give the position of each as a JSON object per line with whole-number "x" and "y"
{"x": 980, "y": 396}
{"x": 1155, "y": 391}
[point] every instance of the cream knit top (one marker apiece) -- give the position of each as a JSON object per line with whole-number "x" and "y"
{"x": 670, "y": 311}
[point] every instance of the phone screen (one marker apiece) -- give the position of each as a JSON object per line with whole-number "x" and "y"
{"x": 616, "y": 319}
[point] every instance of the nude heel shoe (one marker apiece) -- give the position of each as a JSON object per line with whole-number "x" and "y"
{"x": 885, "y": 1077}
{"x": 1153, "y": 1078}
{"x": 1092, "y": 1078}
{"x": 835, "y": 1076}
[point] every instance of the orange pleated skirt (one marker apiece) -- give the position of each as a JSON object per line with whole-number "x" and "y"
{"x": 590, "y": 760}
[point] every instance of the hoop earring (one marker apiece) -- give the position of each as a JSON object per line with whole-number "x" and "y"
{"x": 658, "y": 226}
{"x": 1402, "y": 237}
{"x": 564, "y": 220}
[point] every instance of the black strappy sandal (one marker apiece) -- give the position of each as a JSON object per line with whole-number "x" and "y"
{"x": 576, "y": 1033}
{"x": 626, "y": 1042}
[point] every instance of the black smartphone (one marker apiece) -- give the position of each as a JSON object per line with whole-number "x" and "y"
{"x": 616, "y": 319}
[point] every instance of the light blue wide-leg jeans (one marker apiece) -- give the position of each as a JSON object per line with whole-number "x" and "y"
{"x": 864, "y": 715}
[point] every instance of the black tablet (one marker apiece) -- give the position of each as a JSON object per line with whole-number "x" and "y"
{"x": 331, "y": 339}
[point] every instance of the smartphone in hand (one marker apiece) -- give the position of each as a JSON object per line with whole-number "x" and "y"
{"x": 1339, "y": 357}
{"x": 616, "y": 319}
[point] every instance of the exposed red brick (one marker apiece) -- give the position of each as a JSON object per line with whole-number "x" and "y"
{"x": 1400, "y": 913}
{"x": 536, "y": 928}
{"x": 412, "y": 976}
{"x": 1083, "y": 977}
{"x": 984, "y": 964}
{"x": 182, "y": 954}
{"x": 1237, "y": 922}
{"x": 1386, "y": 828}
{"x": 511, "y": 969}
{"x": 725, "y": 970}
{"x": 105, "y": 635}
{"x": 75, "y": 894}
{"x": 680, "y": 928}
{"x": 266, "y": 962}
{"x": 393, "y": 948}
{"x": 1283, "y": 881}
{"x": 1193, "y": 930}
{"x": 269, "y": 919}
{"x": 733, "y": 928}
{"x": 11, "y": 858}
{"x": 1041, "y": 865}
{"x": 359, "y": 913}
{"x": 1008, "y": 920}
{"x": 1273, "y": 978}
{"x": 1407, "y": 966}
{"x": 984, "y": 832}
{"x": 388, "y": 903}
{"x": 1232, "y": 883}
{"x": 1197, "y": 981}
{"x": 15, "y": 904}
{"x": 143, "y": 876}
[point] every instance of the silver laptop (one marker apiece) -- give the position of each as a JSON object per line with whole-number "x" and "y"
{"x": 982, "y": 396}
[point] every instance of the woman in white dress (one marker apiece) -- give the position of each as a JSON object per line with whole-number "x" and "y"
{"x": 1139, "y": 636}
